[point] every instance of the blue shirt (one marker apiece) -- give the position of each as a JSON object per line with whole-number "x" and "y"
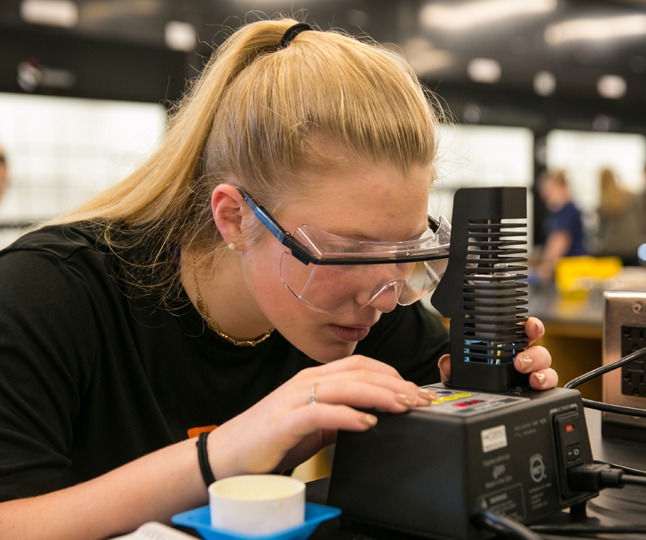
{"x": 568, "y": 219}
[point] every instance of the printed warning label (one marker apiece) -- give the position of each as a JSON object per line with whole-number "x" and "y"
{"x": 509, "y": 502}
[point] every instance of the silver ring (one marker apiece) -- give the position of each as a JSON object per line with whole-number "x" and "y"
{"x": 312, "y": 397}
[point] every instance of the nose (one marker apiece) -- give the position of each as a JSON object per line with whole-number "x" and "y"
{"x": 386, "y": 299}
{"x": 382, "y": 285}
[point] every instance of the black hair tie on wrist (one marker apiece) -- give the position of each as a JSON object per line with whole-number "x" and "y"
{"x": 291, "y": 33}
{"x": 203, "y": 459}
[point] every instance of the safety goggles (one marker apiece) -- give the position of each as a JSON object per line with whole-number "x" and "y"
{"x": 334, "y": 274}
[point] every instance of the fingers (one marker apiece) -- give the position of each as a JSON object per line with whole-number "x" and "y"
{"x": 536, "y": 361}
{"x": 534, "y": 329}
{"x": 326, "y": 416}
{"x": 359, "y": 382}
{"x": 366, "y": 391}
{"x": 544, "y": 379}
{"x": 317, "y": 400}
{"x": 444, "y": 365}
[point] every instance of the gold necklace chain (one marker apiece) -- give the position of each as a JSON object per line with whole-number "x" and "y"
{"x": 210, "y": 321}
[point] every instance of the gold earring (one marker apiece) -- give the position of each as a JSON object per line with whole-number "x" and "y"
{"x": 231, "y": 246}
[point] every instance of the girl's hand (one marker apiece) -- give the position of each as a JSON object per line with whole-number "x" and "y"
{"x": 534, "y": 360}
{"x": 303, "y": 415}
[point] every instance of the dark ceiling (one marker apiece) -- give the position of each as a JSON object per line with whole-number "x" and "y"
{"x": 125, "y": 38}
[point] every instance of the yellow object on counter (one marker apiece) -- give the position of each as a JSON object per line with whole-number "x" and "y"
{"x": 579, "y": 275}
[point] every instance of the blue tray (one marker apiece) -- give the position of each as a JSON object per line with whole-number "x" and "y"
{"x": 200, "y": 520}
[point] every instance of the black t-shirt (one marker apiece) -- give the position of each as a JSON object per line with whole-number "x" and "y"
{"x": 92, "y": 378}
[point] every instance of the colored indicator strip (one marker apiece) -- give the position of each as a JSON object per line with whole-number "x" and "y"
{"x": 451, "y": 397}
{"x": 469, "y": 403}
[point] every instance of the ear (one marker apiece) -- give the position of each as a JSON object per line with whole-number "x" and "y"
{"x": 227, "y": 207}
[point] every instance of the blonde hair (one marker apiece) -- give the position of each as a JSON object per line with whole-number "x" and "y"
{"x": 613, "y": 198}
{"x": 254, "y": 118}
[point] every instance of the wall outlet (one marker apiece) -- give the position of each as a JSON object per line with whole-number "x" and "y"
{"x": 633, "y": 338}
{"x": 624, "y": 331}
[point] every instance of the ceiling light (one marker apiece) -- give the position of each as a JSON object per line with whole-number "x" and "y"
{"x": 602, "y": 122}
{"x": 63, "y": 13}
{"x": 484, "y": 70}
{"x": 180, "y": 36}
{"x": 449, "y": 16}
{"x": 641, "y": 253}
{"x": 611, "y": 86}
{"x": 424, "y": 58}
{"x": 544, "y": 83}
{"x": 358, "y": 18}
{"x": 597, "y": 29}
{"x": 429, "y": 62}
{"x": 472, "y": 113}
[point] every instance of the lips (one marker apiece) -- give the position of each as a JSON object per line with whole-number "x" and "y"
{"x": 350, "y": 333}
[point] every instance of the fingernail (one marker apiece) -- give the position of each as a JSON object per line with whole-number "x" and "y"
{"x": 541, "y": 329}
{"x": 540, "y": 377}
{"x": 369, "y": 420}
{"x": 526, "y": 360}
{"x": 427, "y": 395}
{"x": 406, "y": 400}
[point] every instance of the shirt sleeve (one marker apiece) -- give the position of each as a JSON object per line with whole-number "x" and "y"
{"x": 47, "y": 342}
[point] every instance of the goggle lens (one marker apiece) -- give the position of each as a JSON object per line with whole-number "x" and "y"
{"x": 335, "y": 274}
{"x": 336, "y": 289}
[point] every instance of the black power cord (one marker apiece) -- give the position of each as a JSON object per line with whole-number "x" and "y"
{"x": 588, "y": 477}
{"x": 598, "y": 476}
{"x": 595, "y": 477}
{"x": 587, "y": 529}
{"x": 625, "y": 468}
{"x": 505, "y": 526}
{"x": 607, "y": 407}
{"x": 510, "y": 528}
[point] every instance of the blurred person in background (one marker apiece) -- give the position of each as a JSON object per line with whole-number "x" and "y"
{"x": 564, "y": 231}
{"x": 641, "y": 253}
{"x": 4, "y": 173}
{"x": 621, "y": 220}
